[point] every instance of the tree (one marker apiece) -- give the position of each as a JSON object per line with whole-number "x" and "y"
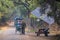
{"x": 28, "y": 4}
{"x": 6, "y": 8}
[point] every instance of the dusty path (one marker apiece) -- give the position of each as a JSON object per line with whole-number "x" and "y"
{"x": 8, "y": 33}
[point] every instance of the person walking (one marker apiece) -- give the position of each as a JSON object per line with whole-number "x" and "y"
{"x": 23, "y": 27}
{"x": 46, "y": 31}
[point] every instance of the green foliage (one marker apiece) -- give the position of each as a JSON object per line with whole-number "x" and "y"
{"x": 23, "y": 11}
{"x": 5, "y": 6}
{"x": 33, "y": 4}
{"x": 41, "y": 1}
{"x": 27, "y": 5}
{"x": 58, "y": 5}
{"x": 32, "y": 16}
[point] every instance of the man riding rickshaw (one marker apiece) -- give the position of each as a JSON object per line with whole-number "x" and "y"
{"x": 18, "y": 24}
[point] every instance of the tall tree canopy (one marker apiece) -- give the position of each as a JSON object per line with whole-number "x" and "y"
{"x": 7, "y": 7}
